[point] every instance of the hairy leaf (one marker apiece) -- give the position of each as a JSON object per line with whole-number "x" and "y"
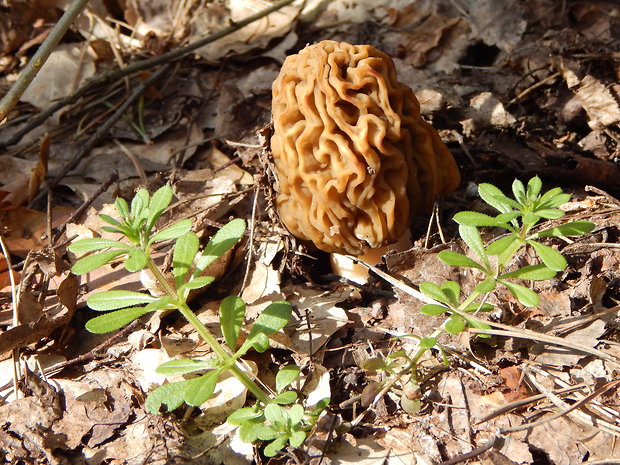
{"x": 201, "y": 389}
{"x": 574, "y": 228}
{"x": 531, "y": 273}
{"x": 471, "y": 236}
{"x": 172, "y": 232}
{"x": 524, "y": 295}
{"x": 92, "y": 262}
{"x": 285, "y": 376}
{"x": 115, "y": 320}
{"x": 112, "y": 300}
{"x": 457, "y": 259}
{"x": 136, "y": 260}
{"x": 550, "y": 257}
{"x": 220, "y": 243}
{"x": 185, "y": 251}
{"x": 170, "y": 395}
{"x": 95, "y": 243}
{"x": 185, "y": 365}
{"x": 232, "y": 314}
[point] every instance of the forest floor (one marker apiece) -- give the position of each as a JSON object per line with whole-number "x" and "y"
{"x": 515, "y": 89}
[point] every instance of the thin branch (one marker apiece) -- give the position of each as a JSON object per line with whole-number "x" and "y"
{"x": 102, "y": 131}
{"x": 11, "y": 98}
{"x": 135, "y": 67}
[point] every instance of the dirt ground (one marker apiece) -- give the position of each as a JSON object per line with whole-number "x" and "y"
{"x": 515, "y": 89}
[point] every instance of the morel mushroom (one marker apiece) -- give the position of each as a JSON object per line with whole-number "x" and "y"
{"x": 354, "y": 158}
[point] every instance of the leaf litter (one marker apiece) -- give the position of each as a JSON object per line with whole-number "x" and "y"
{"x": 514, "y": 91}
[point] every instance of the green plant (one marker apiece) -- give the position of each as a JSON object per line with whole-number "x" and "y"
{"x": 137, "y": 224}
{"x": 519, "y": 217}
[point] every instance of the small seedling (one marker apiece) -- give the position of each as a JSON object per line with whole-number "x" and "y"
{"x": 137, "y": 225}
{"x": 518, "y": 216}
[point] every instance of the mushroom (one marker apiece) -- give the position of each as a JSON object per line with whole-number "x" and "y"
{"x": 353, "y": 157}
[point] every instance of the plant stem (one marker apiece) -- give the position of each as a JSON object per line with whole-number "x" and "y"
{"x": 206, "y": 335}
{"x": 11, "y": 98}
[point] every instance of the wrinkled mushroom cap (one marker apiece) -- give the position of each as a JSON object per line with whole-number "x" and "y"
{"x": 353, "y": 156}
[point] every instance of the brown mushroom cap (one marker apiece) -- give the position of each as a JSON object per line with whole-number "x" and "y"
{"x": 353, "y": 156}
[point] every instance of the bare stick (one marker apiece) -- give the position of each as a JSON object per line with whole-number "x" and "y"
{"x": 11, "y": 98}
{"x": 138, "y": 66}
{"x": 102, "y": 131}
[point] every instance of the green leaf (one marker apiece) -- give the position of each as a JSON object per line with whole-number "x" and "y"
{"x": 125, "y": 232}
{"x": 285, "y": 398}
{"x": 95, "y": 243}
{"x": 275, "y": 446}
{"x": 232, "y": 314}
{"x": 374, "y": 364}
{"x": 574, "y": 228}
{"x": 220, "y": 243}
{"x": 113, "y": 221}
{"x": 553, "y": 198}
{"x": 476, "y": 219}
{"x": 172, "y": 232}
{"x": 534, "y": 186}
{"x": 433, "y": 291}
{"x": 259, "y": 341}
{"x": 479, "y": 325}
{"x": 136, "y": 260}
{"x": 297, "y": 438}
{"x": 500, "y": 245}
{"x": 452, "y": 291}
{"x": 160, "y": 303}
{"x": 530, "y": 218}
{"x": 428, "y": 342}
{"x": 505, "y": 218}
{"x": 455, "y": 324}
{"x": 471, "y": 236}
{"x": 201, "y": 389}
{"x": 196, "y": 283}
{"x": 496, "y": 198}
{"x": 485, "y": 286}
{"x": 550, "y": 257}
{"x": 286, "y": 376}
{"x": 432, "y": 309}
{"x": 457, "y": 259}
{"x": 158, "y": 204}
{"x": 139, "y": 202}
{"x": 275, "y": 317}
{"x": 252, "y": 430}
{"x": 242, "y": 415}
{"x": 122, "y": 208}
{"x": 518, "y": 190}
{"x": 550, "y": 213}
{"x": 275, "y": 414}
{"x": 92, "y": 262}
{"x": 476, "y": 307}
{"x": 531, "y": 273}
{"x": 504, "y": 257}
{"x": 296, "y": 414}
{"x": 524, "y": 295}
{"x": 170, "y": 395}
{"x": 185, "y": 365}
{"x": 112, "y": 300}
{"x": 115, "y": 320}
{"x": 185, "y": 251}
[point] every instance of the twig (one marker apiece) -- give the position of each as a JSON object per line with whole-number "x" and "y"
{"x": 77, "y": 213}
{"x": 474, "y": 453}
{"x": 606, "y": 387}
{"x": 139, "y": 66}
{"x": 11, "y": 98}
{"x": 88, "y": 356}
{"x": 15, "y": 353}
{"x": 102, "y": 132}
